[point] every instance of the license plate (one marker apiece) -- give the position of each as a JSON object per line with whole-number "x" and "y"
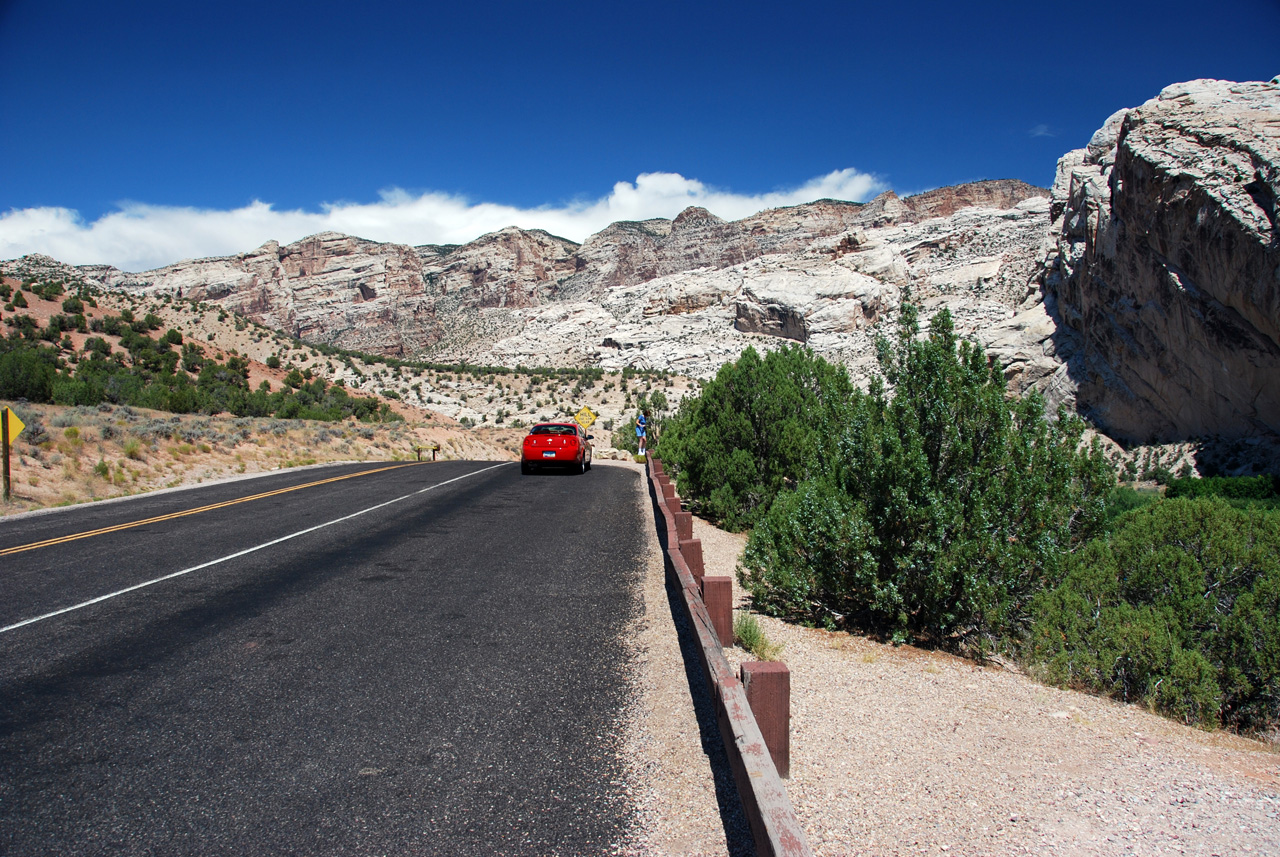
{"x": 550, "y": 453}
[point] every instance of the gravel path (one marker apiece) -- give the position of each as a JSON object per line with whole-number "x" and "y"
{"x": 904, "y": 751}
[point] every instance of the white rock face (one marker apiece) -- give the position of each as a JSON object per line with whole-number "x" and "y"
{"x": 834, "y": 293}
{"x": 686, "y": 294}
{"x": 1166, "y": 265}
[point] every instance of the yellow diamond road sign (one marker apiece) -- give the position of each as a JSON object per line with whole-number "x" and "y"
{"x": 15, "y": 425}
{"x": 585, "y": 417}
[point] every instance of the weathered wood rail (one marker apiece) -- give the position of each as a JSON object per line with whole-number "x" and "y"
{"x": 774, "y": 826}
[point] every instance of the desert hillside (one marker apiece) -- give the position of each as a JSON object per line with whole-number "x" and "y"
{"x": 70, "y": 454}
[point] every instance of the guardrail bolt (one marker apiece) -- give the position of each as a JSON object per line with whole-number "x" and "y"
{"x": 768, "y": 687}
{"x": 684, "y": 526}
{"x": 717, "y": 594}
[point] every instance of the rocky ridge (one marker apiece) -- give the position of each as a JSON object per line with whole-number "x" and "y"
{"x": 683, "y": 294}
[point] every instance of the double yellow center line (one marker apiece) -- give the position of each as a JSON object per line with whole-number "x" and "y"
{"x": 175, "y": 515}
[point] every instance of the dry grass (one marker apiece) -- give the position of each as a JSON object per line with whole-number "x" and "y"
{"x": 75, "y": 455}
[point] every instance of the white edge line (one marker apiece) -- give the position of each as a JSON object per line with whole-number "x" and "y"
{"x": 213, "y": 562}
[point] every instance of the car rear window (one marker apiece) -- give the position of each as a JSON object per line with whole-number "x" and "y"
{"x": 553, "y": 430}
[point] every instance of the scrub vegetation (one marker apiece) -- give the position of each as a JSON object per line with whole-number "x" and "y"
{"x": 127, "y": 361}
{"x": 935, "y": 508}
{"x": 1179, "y": 609}
{"x": 751, "y": 637}
{"x": 74, "y": 344}
{"x": 164, "y": 390}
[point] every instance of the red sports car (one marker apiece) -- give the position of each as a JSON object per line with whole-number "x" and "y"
{"x": 560, "y": 444}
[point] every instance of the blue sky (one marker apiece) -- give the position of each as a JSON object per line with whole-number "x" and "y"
{"x": 139, "y": 133}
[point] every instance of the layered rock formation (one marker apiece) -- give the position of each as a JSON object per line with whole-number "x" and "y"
{"x": 1166, "y": 265}
{"x": 684, "y": 294}
{"x": 691, "y": 293}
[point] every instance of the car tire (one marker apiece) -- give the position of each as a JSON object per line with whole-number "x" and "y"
{"x": 588, "y": 463}
{"x": 579, "y": 468}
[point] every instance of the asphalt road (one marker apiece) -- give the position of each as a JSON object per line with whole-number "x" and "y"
{"x": 440, "y": 675}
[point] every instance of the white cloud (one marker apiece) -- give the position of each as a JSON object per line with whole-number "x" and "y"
{"x": 1041, "y": 130}
{"x": 139, "y": 237}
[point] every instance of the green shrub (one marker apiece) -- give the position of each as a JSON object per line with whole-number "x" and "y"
{"x": 26, "y": 371}
{"x": 946, "y": 509}
{"x": 1124, "y": 499}
{"x": 1178, "y": 609}
{"x": 48, "y": 290}
{"x": 1262, "y": 487}
{"x": 625, "y": 438}
{"x": 761, "y": 425}
{"x": 810, "y": 558}
{"x": 751, "y": 637}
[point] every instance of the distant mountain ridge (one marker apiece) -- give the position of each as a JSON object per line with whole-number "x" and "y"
{"x": 412, "y": 301}
{"x": 1144, "y": 288}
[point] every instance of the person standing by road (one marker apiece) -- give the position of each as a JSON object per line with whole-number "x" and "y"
{"x": 642, "y": 429}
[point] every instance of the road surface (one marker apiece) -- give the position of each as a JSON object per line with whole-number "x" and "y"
{"x": 421, "y": 659}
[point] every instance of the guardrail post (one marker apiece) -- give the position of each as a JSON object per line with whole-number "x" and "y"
{"x": 717, "y": 594}
{"x": 668, "y": 493}
{"x": 691, "y": 550}
{"x": 655, "y": 466}
{"x": 768, "y": 687}
{"x": 684, "y": 526}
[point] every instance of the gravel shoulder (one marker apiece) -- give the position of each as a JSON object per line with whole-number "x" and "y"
{"x": 672, "y": 776}
{"x": 897, "y": 750}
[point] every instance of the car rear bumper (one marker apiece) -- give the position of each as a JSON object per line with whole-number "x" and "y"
{"x": 558, "y": 458}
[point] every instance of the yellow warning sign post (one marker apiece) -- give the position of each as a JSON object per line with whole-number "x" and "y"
{"x": 585, "y": 417}
{"x": 10, "y": 428}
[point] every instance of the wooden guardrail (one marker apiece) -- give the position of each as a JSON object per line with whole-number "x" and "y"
{"x": 774, "y": 826}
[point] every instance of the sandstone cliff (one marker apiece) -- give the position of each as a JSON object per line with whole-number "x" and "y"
{"x": 1165, "y": 265}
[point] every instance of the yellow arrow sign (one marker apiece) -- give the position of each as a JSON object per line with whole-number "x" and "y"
{"x": 585, "y": 417}
{"x": 15, "y": 425}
